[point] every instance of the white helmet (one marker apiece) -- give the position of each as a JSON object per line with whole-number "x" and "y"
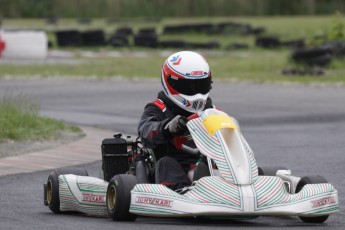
{"x": 186, "y": 80}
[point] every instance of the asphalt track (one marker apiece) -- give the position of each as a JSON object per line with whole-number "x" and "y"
{"x": 297, "y": 126}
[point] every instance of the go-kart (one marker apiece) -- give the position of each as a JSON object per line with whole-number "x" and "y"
{"x": 234, "y": 186}
{"x": 71, "y": 189}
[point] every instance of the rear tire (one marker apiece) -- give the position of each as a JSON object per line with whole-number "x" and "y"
{"x": 311, "y": 180}
{"x": 52, "y": 187}
{"x": 118, "y": 197}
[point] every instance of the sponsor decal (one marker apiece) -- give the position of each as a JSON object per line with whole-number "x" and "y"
{"x": 154, "y": 201}
{"x": 185, "y": 103}
{"x": 323, "y": 201}
{"x": 197, "y": 73}
{"x": 93, "y": 198}
{"x": 176, "y": 60}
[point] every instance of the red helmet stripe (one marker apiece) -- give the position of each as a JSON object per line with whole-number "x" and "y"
{"x": 168, "y": 70}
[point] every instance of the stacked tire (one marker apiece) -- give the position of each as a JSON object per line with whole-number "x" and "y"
{"x": 318, "y": 56}
{"x": 93, "y": 38}
{"x": 146, "y": 38}
{"x": 67, "y": 38}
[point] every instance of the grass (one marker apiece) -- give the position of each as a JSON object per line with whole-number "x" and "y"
{"x": 251, "y": 65}
{"x": 19, "y": 121}
{"x": 254, "y": 64}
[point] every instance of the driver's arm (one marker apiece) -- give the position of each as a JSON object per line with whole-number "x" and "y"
{"x": 151, "y": 127}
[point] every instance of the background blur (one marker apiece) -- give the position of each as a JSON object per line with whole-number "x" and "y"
{"x": 165, "y": 8}
{"x": 255, "y": 40}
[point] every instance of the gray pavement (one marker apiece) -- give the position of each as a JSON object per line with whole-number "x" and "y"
{"x": 298, "y": 126}
{"x": 79, "y": 152}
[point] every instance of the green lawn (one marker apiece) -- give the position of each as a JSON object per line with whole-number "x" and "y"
{"x": 254, "y": 64}
{"x": 19, "y": 120}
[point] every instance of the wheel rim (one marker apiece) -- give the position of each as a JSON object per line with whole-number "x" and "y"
{"x": 49, "y": 191}
{"x": 111, "y": 199}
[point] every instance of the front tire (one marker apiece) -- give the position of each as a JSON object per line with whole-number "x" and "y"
{"x": 52, "y": 186}
{"x": 118, "y": 197}
{"x": 311, "y": 180}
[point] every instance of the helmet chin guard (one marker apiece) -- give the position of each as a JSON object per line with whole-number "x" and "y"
{"x": 186, "y": 80}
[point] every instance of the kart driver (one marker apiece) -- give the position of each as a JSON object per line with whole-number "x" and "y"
{"x": 186, "y": 81}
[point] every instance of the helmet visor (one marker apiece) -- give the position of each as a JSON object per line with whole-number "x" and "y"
{"x": 190, "y": 87}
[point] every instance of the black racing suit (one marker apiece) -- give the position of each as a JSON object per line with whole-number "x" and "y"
{"x": 153, "y": 135}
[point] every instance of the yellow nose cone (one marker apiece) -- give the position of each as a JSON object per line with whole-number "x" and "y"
{"x": 219, "y": 121}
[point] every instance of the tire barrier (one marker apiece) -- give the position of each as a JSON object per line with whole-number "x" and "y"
{"x": 75, "y": 38}
{"x": 206, "y": 28}
{"x": 257, "y": 31}
{"x": 189, "y": 28}
{"x": 295, "y": 44}
{"x": 50, "y": 44}
{"x": 145, "y": 41}
{"x": 268, "y": 42}
{"x": 237, "y": 46}
{"x": 147, "y": 32}
{"x": 317, "y": 56}
{"x": 337, "y": 48}
{"x": 303, "y": 72}
{"x": 93, "y": 38}
{"x": 118, "y": 40}
{"x": 220, "y": 28}
{"x": 68, "y": 38}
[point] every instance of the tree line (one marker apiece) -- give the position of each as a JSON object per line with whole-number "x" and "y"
{"x": 164, "y": 8}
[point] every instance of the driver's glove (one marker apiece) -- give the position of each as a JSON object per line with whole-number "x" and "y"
{"x": 177, "y": 126}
